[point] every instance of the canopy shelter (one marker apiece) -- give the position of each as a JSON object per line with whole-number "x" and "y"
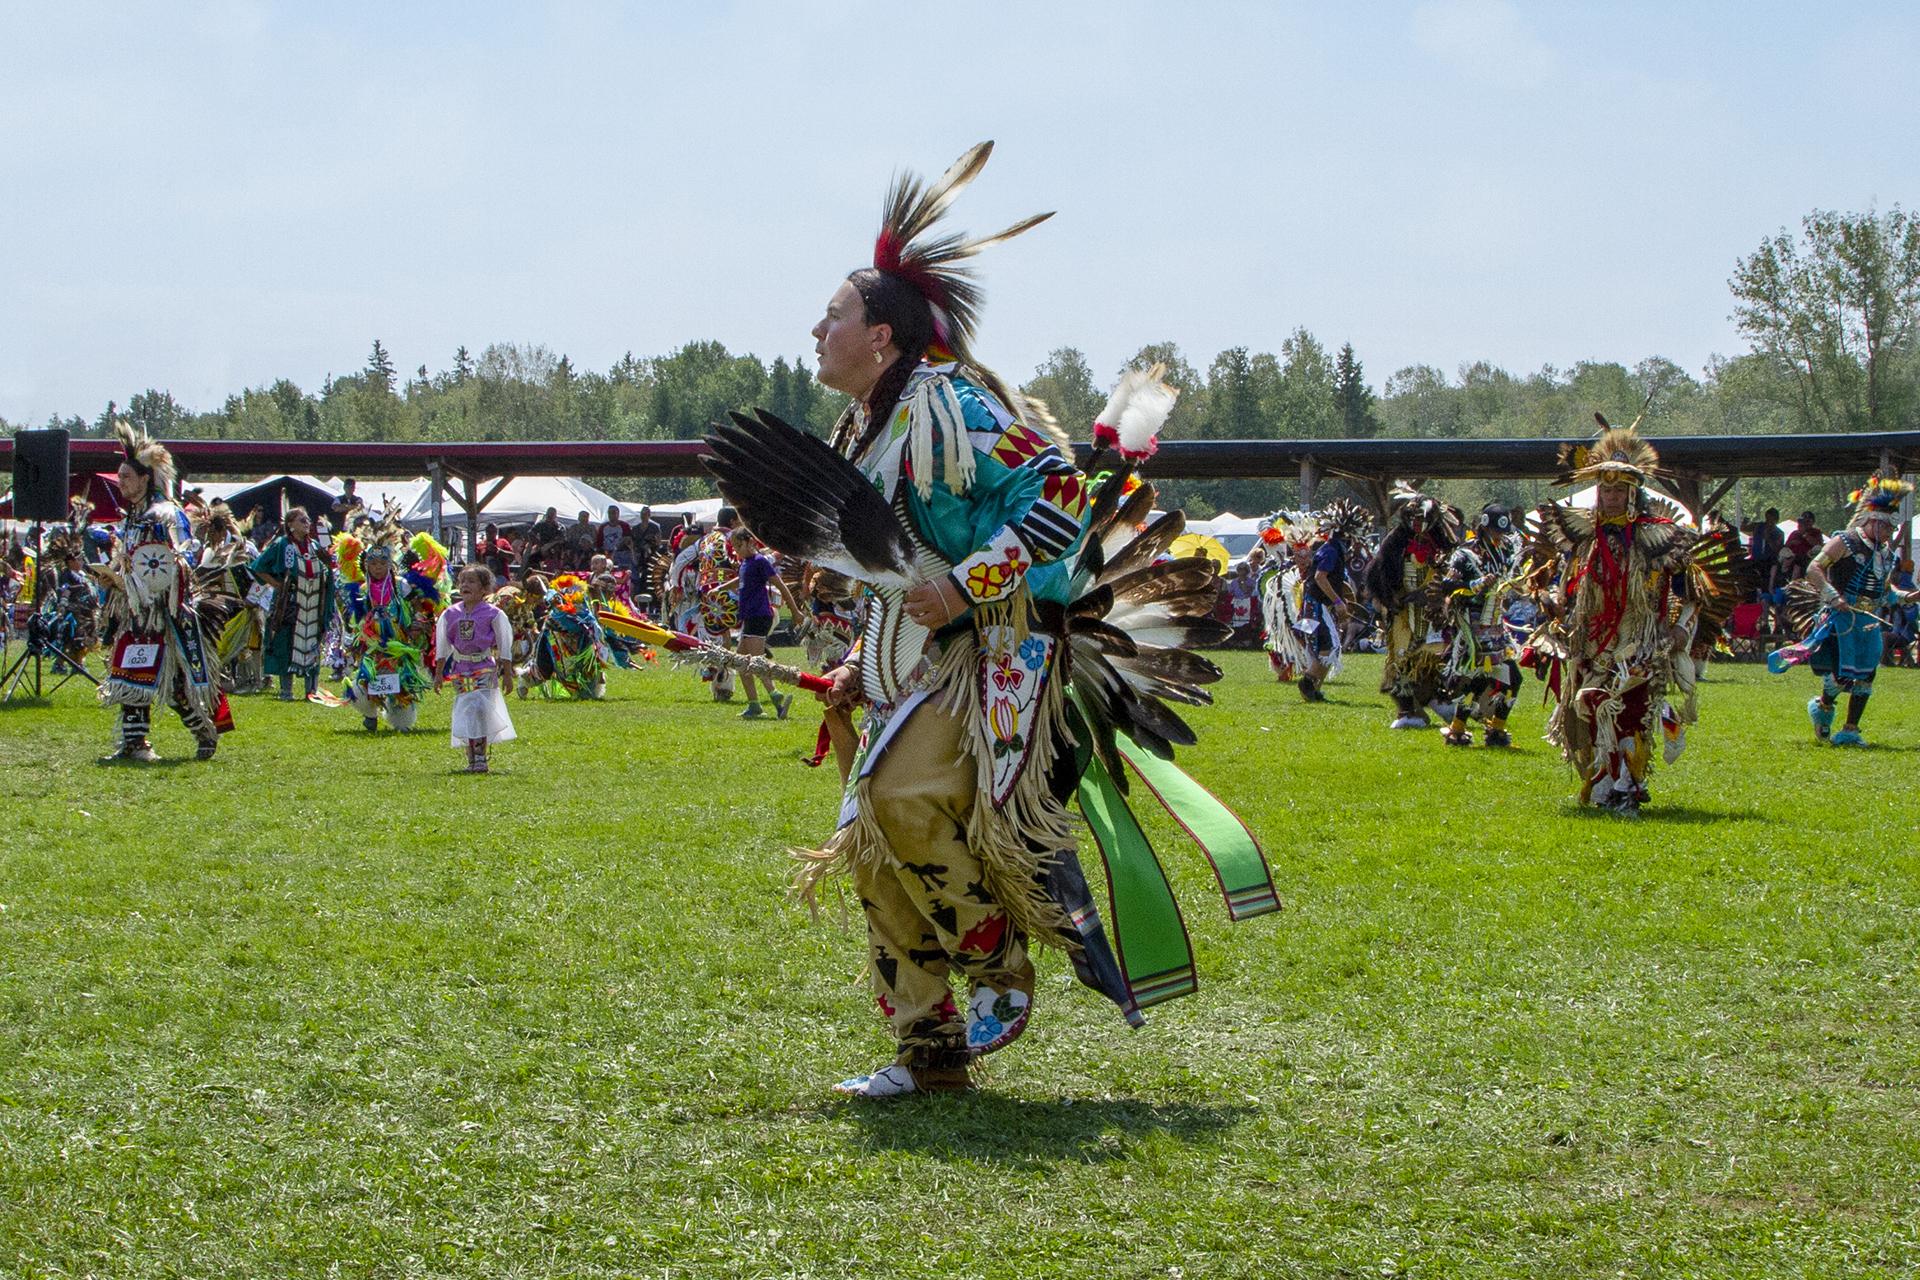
{"x": 272, "y": 496}
{"x": 377, "y": 493}
{"x": 1701, "y": 469}
{"x": 1237, "y": 534}
{"x": 519, "y": 500}
{"x": 99, "y": 488}
{"x": 703, "y": 510}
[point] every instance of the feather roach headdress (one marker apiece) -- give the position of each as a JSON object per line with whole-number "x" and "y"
{"x": 1878, "y": 499}
{"x": 1419, "y": 511}
{"x": 1345, "y": 519}
{"x": 932, "y": 264}
{"x": 149, "y": 457}
{"x": 215, "y": 524}
{"x": 1618, "y": 456}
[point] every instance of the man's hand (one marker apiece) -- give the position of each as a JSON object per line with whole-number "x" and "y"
{"x": 935, "y": 603}
{"x": 846, "y": 688}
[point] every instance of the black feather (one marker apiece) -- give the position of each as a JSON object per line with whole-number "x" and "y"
{"x": 805, "y": 500}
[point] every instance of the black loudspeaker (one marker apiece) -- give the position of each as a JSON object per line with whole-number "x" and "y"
{"x": 40, "y": 474}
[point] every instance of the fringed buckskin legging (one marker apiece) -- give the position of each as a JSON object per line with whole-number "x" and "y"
{"x": 928, "y": 911}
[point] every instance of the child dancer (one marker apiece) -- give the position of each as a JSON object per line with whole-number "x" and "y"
{"x": 476, "y": 653}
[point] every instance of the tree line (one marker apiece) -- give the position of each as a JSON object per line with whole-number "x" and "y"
{"x": 1831, "y": 314}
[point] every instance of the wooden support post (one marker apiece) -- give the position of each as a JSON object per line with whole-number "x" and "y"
{"x": 1309, "y": 482}
{"x": 1712, "y": 500}
{"x": 437, "y": 479}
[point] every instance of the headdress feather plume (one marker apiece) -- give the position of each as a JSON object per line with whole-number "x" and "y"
{"x": 1878, "y": 498}
{"x": 1619, "y": 452}
{"x": 932, "y": 266}
{"x": 148, "y": 456}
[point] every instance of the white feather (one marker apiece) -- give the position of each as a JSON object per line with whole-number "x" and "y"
{"x": 1145, "y": 412}
{"x": 1131, "y": 383}
{"x": 1117, "y": 402}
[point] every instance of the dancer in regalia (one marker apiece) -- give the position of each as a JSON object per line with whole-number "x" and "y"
{"x": 476, "y": 645}
{"x": 161, "y": 645}
{"x": 1405, "y": 577}
{"x": 995, "y": 662}
{"x": 570, "y": 655}
{"x": 1287, "y": 537}
{"x": 1838, "y": 608}
{"x": 299, "y": 567}
{"x": 1480, "y": 676}
{"x": 1304, "y": 592}
{"x": 225, "y": 554}
{"x": 388, "y": 620}
{"x": 1631, "y": 588}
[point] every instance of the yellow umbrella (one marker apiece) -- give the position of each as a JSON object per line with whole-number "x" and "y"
{"x": 1199, "y": 544}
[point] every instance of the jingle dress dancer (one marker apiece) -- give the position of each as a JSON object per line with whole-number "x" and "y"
{"x": 161, "y": 651}
{"x": 949, "y": 497}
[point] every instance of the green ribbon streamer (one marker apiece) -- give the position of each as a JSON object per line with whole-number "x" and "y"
{"x": 1149, "y": 937}
{"x": 1238, "y": 864}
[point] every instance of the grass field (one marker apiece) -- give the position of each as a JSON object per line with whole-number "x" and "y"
{"x": 326, "y": 1007}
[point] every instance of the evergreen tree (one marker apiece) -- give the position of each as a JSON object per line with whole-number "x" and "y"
{"x": 1352, "y": 398}
{"x": 462, "y": 366}
{"x": 1064, "y": 381}
{"x": 380, "y": 369}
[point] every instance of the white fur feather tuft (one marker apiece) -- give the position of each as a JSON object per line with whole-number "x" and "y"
{"x": 1145, "y": 412}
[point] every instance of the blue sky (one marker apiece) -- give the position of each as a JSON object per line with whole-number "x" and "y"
{"x": 206, "y": 197}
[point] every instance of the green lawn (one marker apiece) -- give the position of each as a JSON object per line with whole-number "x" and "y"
{"x": 326, "y": 1007}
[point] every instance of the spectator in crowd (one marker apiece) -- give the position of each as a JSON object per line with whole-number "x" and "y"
{"x": 626, "y": 559}
{"x": 1241, "y": 595}
{"x": 346, "y": 504}
{"x": 494, "y": 551}
{"x": 1801, "y": 546}
{"x": 609, "y": 536}
{"x": 1764, "y": 548}
{"x": 580, "y": 541}
{"x": 546, "y": 529}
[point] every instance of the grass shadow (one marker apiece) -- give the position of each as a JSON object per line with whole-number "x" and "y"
{"x": 1673, "y": 815}
{"x": 1028, "y": 1133}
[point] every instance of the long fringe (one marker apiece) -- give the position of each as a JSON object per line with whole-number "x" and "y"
{"x": 1014, "y": 840}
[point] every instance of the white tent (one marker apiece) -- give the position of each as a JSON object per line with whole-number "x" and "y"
{"x": 376, "y": 492}
{"x": 523, "y": 500}
{"x": 1226, "y": 523}
{"x": 703, "y": 510}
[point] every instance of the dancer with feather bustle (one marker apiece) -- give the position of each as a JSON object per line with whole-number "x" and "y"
{"x": 996, "y": 579}
{"x": 1632, "y": 591}
{"x": 160, "y": 640}
{"x": 1405, "y": 577}
{"x": 1480, "y": 676}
